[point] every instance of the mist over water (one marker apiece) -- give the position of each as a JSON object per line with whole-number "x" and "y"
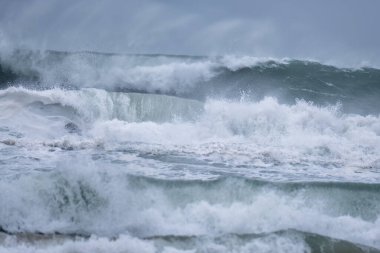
{"x": 158, "y": 126}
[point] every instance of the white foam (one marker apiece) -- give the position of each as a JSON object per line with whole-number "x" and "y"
{"x": 264, "y": 133}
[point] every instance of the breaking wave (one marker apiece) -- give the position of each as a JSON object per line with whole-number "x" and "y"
{"x": 157, "y": 153}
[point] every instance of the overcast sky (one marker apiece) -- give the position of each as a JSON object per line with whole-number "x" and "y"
{"x": 339, "y": 31}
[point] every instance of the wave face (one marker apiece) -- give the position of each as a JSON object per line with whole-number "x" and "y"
{"x": 155, "y": 153}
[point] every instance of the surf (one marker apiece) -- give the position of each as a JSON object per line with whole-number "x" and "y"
{"x": 174, "y": 152}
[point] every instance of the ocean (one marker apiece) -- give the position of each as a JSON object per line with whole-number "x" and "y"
{"x": 173, "y": 153}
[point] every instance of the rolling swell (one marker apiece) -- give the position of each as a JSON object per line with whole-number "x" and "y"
{"x": 311, "y": 81}
{"x": 196, "y": 77}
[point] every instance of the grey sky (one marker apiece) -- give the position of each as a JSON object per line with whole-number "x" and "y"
{"x": 336, "y": 31}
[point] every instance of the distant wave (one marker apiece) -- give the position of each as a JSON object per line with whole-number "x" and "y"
{"x": 196, "y": 77}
